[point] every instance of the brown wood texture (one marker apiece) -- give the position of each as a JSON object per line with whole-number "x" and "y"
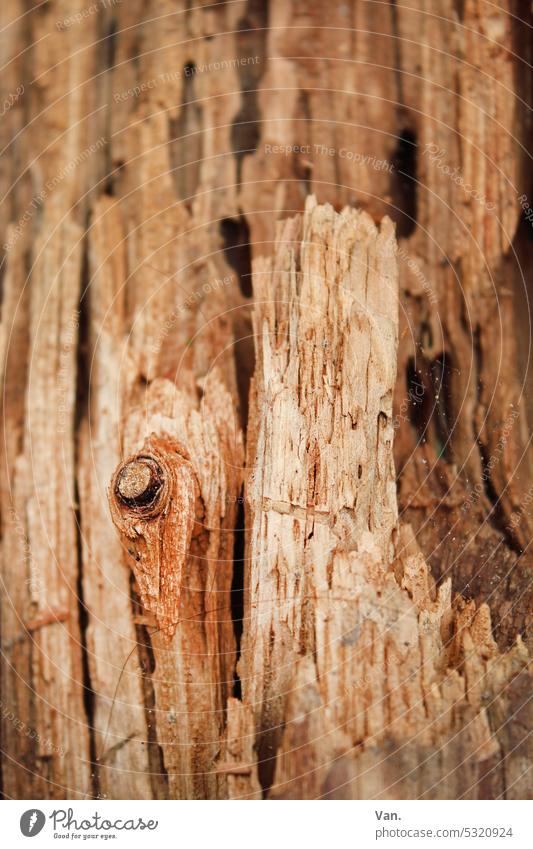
{"x": 352, "y": 549}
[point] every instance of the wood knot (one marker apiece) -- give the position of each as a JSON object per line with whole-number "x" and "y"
{"x": 139, "y": 482}
{"x": 155, "y": 503}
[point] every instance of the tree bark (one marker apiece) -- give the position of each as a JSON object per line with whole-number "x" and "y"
{"x": 355, "y": 631}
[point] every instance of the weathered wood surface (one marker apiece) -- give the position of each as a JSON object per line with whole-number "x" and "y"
{"x": 137, "y": 165}
{"x": 320, "y": 469}
{"x": 364, "y": 679}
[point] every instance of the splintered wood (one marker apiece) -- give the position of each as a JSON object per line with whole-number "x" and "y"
{"x": 362, "y": 678}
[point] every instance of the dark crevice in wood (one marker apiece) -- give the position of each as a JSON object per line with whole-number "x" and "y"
{"x": 404, "y": 193}
{"x": 267, "y": 745}
{"x": 80, "y": 414}
{"x": 496, "y": 516}
{"x": 397, "y": 47}
{"x": 525, "y": 226}
{"x": 521, "y": 256}
{"x": 441, "y": 370}
{"x": 88, "y": 692}
{"x": 185, "y": 135}
{"x": 251, "y": 44}
{"x": 237, "y": 591}
{"x": 415, "y": 394}
{"x": 481, "y": 566}
{"x": 429, "y": 396}
{"x": 459, "y": 8}
{"x": 245, "y": 131}
{"x": 235, "y": 234}
{"x": 304, "y": 167}
{"x": 245, "y": 365}
{"x": 147, "y": 665}
{"x": 3, "y": 263}
{"x": 517, "y": 274}
{"x": 110, "y": 43}
{"x": 112, "y": 175}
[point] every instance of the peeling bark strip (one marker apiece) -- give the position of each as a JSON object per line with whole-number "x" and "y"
{"x": 363, "y": 680}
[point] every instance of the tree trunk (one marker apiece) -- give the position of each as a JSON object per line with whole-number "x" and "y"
{"x": 353, "y": 623}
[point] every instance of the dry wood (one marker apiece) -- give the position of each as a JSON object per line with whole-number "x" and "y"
{"x": 148, "y": 185}
{"x": 364, "y": 680}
